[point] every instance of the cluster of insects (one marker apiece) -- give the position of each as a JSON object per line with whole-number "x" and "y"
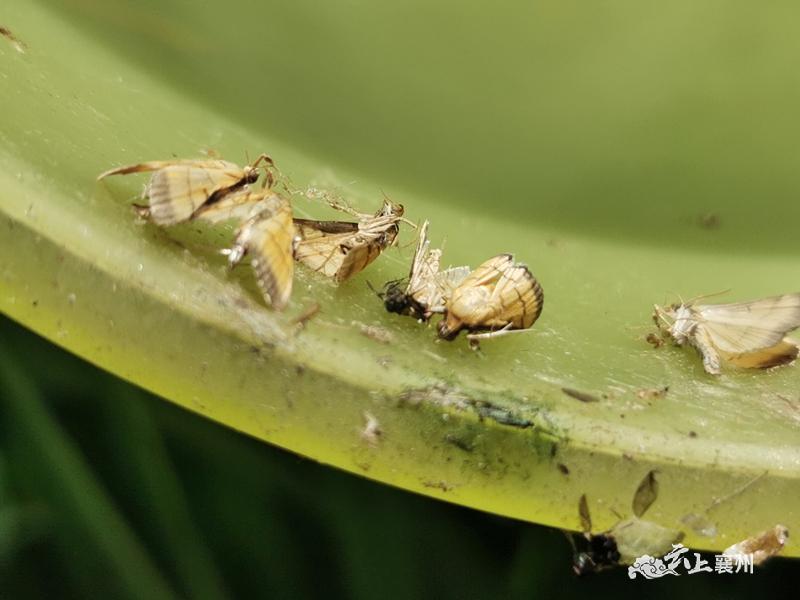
{"x": 498, "y": 297}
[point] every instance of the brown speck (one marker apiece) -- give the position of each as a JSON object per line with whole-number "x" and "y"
{"x": 692, "y": 434}
{"x": 563, "y": 468}
{"x": 654, "y": 340}
{"x": 710, "y": 221}
{"x": 578, "y": 395}
{"x": 306, "y": 315}
{"x": 18, "y": 44}
{"x": 439, "y": 485}
{"x": 652, "y": 393}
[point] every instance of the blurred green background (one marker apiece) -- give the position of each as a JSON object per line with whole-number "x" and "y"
{"x": 107, "y": 491}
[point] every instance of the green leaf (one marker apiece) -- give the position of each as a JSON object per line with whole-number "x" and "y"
{"x": 622, "y": 166}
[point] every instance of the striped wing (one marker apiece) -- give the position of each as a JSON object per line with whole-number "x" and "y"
{"x": 239, "y": 205}
{"x": 745, "y": 327}
{"x": 780, "y": 354}
{"x": 179, "y": 188}
{"x": 268, "y": 237}
{"x": 518, "y": 297}
{"x": 332, "y": 248}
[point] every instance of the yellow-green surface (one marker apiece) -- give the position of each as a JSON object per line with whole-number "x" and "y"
{"x": 594, "y": 145}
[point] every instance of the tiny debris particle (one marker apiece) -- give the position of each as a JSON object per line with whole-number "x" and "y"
{"x": 654, "y": 340}
{"x": 578, "y": 395}
{"x": 692, "y": 434}
{"x": 304, "y": 317}
{"x": 374, "y": 332}
{"x": 652, "y": 393}
{"x": 18, "y": 44}
{"x": 709, "y": 221}
{"x": 563, "y": 468}
{"x": 439, "y": 485}
{"x": 372, "y": 432}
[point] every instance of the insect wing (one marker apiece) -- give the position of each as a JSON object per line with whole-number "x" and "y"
{"x": 747, "y": 326}
{"x": 636, "y": 537}
{"x": 179, "y": 188}
{"x": 268, "y": 237}
{"x": 323, "y": 245}
{"x": 780, "y": 354}
{"x": 239, "y": 205}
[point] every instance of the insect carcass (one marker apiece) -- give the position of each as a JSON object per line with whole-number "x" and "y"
{"x": 743, "y": 334}
{"x": 267, "y": 234}
{"x": 425, "y": 290}
{"x": 178, "y": 189}
{"x": 340, "y": 249}
{"x": 626, "y": 540}
{"x": 497, "y": 297}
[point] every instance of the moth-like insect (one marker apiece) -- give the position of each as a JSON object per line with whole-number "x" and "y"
{"x": 340, "y": 249}
{"x": 178, "y": 189}
{"x": 743, "y": 334}
{"x": 625, "y": 541}
{"x": 424, "y": 291}
{"x": 496, "y": 298}
{"x": 762, "y": 546}
{"x": 268, "y": 236}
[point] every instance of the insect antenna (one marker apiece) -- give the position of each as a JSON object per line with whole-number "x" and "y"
{"x": 702, "y": 296}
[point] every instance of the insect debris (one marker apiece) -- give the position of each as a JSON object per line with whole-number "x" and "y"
{"x": 497, "y": 298}
{"x": 268, "y": 236}
{"x": 742, "y": 334}
{"x": 340, "y": 249}
{"x": 628, "y": 539}
{"x": 762, "y": 546}
{"x": 179, "y": 189}
{"x": 426, "y": 289}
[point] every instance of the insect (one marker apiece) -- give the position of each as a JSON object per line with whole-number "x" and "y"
{"x": 268, "y": 236}
{"x": 425, "y": 290}
{"x": 179, "y": 189}
{"x": 627, "y": 539}
{"x": 340, "y": 249}
{"x": 743, "y": 334}
{"x": 762, "y": 546}
{"x": 496, "y": 298}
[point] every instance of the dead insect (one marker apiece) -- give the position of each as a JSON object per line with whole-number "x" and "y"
{"x": 426, "y": 289}
{"x": 762, "y": 546}
{"x": 340, "y": 249}
{"x": 179, "y": 189}
{"x": 625, "y": 541}
{"x": 743, "y": 334}
{"x": 498, "y": 297}
{"x": 268, "y": 237}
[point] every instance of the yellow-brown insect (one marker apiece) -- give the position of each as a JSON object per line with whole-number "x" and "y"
{"x": 426, "y": 289}
{"x": 742, "y": 334}
{"x": 498, "y": 297}
{"x": 268, "y": 237}
{"x": 762, "y": 546}
{"x": 179, "y": 189}
{"x": 340, "y": 249}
